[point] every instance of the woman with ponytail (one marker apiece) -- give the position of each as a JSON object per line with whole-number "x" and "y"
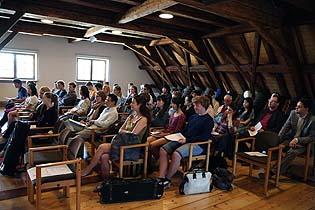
{"x": 135, "y": 126}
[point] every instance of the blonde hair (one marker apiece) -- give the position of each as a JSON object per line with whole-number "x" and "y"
{"x": 203, "y": 100}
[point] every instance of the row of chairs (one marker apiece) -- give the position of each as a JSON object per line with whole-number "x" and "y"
{"x": 270, "y": 143}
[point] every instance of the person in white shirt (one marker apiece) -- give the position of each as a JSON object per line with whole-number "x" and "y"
{"x": 28, "y": 105}
{"x": 108, "y": 117}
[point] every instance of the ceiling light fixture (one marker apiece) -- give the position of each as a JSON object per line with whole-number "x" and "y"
{"x": 116, "y": 32}
{"x": 92, "y": 39}
{"x": 94, "y": 30}
{"x": 166, "y": 16}
{"x": 47, "y": 21}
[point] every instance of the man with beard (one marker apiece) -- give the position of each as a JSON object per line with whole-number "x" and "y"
{"x": 271, "y": 118}
{"x": 297, "y": 131}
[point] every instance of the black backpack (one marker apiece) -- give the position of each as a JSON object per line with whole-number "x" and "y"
{"x": 222, "y": 179}
{"x": 15, "y": 148}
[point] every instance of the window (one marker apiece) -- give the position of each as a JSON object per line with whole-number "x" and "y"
{"x": 17, "y": 64}
{"x": 91, "y": 68}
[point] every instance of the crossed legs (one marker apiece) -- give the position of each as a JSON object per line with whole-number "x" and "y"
{"x": 102, "y": 154}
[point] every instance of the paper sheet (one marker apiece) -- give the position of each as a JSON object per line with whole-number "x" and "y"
{"x": 174, "y": 137}
{"x": 49, "y": 171}
{"x": 257, "y": 154}
{"x": 257, "y": 127}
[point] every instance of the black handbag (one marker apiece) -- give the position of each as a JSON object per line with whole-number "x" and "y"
{"x": 121, "y": 190}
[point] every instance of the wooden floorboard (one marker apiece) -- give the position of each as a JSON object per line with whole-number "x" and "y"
{"x": 247, "y": 194}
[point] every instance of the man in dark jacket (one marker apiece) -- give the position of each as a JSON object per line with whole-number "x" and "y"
{"x": 71, "y": 97}
{"x": 270, "y": 118}
{"x": 297, "y": 131}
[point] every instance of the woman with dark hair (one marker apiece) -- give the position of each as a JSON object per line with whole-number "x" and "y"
{"x": 97, "y": 107}
{"x": 47, "y": 117}
{"x": 246, "y": 116}
{"x": 28, "y": 105}
{"x": 160, "y": 113}
{"x": 84, "y": 104}
{"x": 148, "y": 89}
{"x": 136, "y": 124}
{"x": 188, "y": 107}
{"x": 176, "y": 123}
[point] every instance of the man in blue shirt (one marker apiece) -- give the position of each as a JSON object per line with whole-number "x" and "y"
{"x": 22, "y": 92}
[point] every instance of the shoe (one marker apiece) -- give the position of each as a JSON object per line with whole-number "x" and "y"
{"x": 166, "y": 183}
{"x": 262, "y": 175}
{"x": 97, "y": 189}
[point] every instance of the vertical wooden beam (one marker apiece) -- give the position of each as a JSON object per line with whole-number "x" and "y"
{"x": 246, "y": 48}
{"x": 166, "y": 79}
{"x": 285, "y": 52}
{"x": 8, "y": 39}
{"x": 255, "y": 62}
{"x": 188, "y": 64}
{"x": 10, "y": 23}
{"x": 199, "y": 57}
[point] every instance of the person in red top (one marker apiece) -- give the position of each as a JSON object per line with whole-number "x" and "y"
{"x": 270, "y": 118}
{"x": 176, "y": 123}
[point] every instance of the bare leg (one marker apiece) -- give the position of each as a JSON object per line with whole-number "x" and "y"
{"x": 175, "y": 162}
{"x": 164, "y": 157}
{"x": 105, "y": 166}
{"x": 155, "y": 147}
{"x": 102, "y": 149}
{"x": 11, "y": 116}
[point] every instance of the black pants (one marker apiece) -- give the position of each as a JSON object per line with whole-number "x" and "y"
{"x": 4, "y": 119}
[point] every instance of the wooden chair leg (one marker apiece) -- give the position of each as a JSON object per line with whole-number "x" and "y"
{"x": 66, "y": 191}
{"x": 250, "y": 169}
{"x": 306, "y": 165}
{"x": 30, "y": 190}
{"x": 234, "y": 165}
{"x": 38, "y": 197}
{"x": 266, "y": 180}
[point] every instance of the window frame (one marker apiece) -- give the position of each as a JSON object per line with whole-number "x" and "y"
{"x": 93, "y": 58}
{"x": 16, "y": 52}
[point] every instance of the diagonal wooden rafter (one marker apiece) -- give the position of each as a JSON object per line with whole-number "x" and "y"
{"x": 246, "y": 48}
{"x": 146, "y": 8}
{"x": 259, "y": 11}
{"x": 199, "y": 57}
{"x": 155, "y": 55}
{"x": 223, "y": 49}
{"x": 255, "y": 62}
{"x": 166, "y": 79}
{"x": 10, "y": 23}
{"x": 8, "y": 39}
{"x": 290, "y": 60}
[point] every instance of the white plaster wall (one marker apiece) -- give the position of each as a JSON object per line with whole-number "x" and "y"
{"x": 57, "y": 60}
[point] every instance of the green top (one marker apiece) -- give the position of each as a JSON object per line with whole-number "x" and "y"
{"x": 131, "y": 125}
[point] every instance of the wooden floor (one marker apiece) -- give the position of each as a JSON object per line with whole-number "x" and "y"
{"x": 247, "y": 194}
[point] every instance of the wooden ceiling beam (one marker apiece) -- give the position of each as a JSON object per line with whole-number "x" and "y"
{"x": 246, "y": 48}
{"x": 8, "y": 24}
{"x": 259, "y": 11}
{"x": 99, "y": 17}
{"x": 146, "y": 8}
{"x": 8, "y": 39}
{"x": 38, "y": 28}
{"x": 166, "y": 79}
{"x": 238, "y": 29}
{"x": 199, "y": 57}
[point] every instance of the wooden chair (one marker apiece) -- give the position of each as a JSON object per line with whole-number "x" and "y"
{"x": 205, "y": 156}
{"x": 129, "y": 168}
{"x": 48, "y": 153}
{"x": 265, "y": 141}
{"x": 38, "y": 181}
{"x": 307, "y": 157}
